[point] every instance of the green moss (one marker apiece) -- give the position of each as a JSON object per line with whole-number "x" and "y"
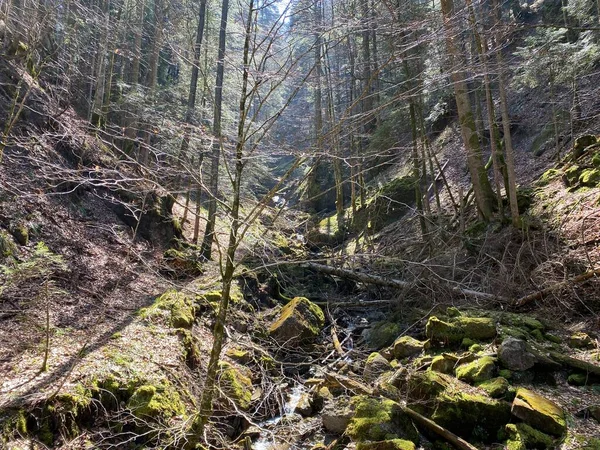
{"x": 442, "y": 364}
{"x": 191, "y": 351}
{"x": 589, "y": 177}
{"x": 155, "y": 402}
{"x": 439, "y": 331}
{"x": 548, "y": 176}
{"x": 235, "y": 385}
{"x": 480, "y": 370}
{"x": 477, "y": 328}
{"x": 467, "y": 342}
{"x": 300, "y": 319}
{"x": 496, "y": 387}
{"x": 572, "y": 174}
{"x": 578, "y": 379}
{"x": 452, "y": 311}
{"x": 596, "y": 160}
{"x": 505, "y": 373}
{"x": 539, "y": 412}
{"x": 522, "y": 436}
{"x": 581, "y": 340}
{"x": 379, "y": 420}
{"x": 456, "y": 406}
{"x": 552, "y": 338}
{"x": 475, "y": 348}
{"x": 383, "y": 334}
{"x": 407, "y": 346}
{"x": 185, "y": 262}
{"x": 537, "y": 334}
{"x": 239, "y": 355}
{"x": 391, "y": 444}
{"x": 7, "y": 246}
{"x": 180, "y": 306}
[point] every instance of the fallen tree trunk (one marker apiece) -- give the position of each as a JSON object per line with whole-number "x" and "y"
{"x": 391, "y": 282}
{"x": 555, "y": 287}
{"x": 575, "y": 363}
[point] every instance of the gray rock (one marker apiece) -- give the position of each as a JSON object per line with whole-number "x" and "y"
{"x": 375, "y": 366}
{"x": 336, "y": 416}
{"x": 514, "y": 355}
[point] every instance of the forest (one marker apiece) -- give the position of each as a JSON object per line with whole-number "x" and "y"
{"x": 300, "y": 224}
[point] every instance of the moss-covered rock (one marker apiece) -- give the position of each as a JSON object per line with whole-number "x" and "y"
{"x": 235, "y": 384}
{"x": 496, "y": 387}
{"x": 578, "y": 379}
{"x": 548, "y": 176}
{"x": 391, "y": 444}
{"x": 191, "y": 350}
{"x": 482, "y": 369}
{"x": 477, "y": 328}
{"x": 375, "y": 366}
{"x": 7, "y": 246}
{"x": 440, "y": 331}
{"x": 298, "y": 321}
{"x": 407, "y": 346}
{"x": 443, "y": 364}
{"x": 522, "y": 437}
{"x": 571, "y": 175}
{"x": 239, "y": 355}
{"x": 581, "y": 340}
{"x": 158, "y": 403}
{"x": 185, "y": 262}
{"x": 378, "y": 420}
{"x": 176, "y": 305}
{"x": 583, "y": 142}
{"x": 539, "y": 412}
{"x": 589, "y": 177}
{"x": 455, "y": 405}
{"x": 383, "y": 334}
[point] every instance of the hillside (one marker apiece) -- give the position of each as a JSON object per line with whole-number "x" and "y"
{"x": 356, "y": 291}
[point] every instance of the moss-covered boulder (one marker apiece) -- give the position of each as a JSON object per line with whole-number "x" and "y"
{"x": 482, "y": 369}
{"x": 298, "y": 321}
{"x": 382, "y": 334}
{"x": 496, "y": 387}
{"x": 522, "y": 437}
{"x": 185, "y": 262}
{"x": 379, "y": 419}
{"x": 407, "y": 346}
{"x": 457, "y": 329}
{"x": 455, "y": 405}
{"x": 581, "y": 340}
{"x": 443, "y": 364}
{"x": 583, "y": 142}
{"x": 391, "y": 444}
{"x": 175, "y": 305}
{"x": 7, "y": 246}
{"x": 589, "y": 177}
{"x": 440, "y": 331}
{"x": 157, "y": 403}
{"x": 539, "y": 412}
{"x": 375, "y": 366}
{"x": 236, "y": 384}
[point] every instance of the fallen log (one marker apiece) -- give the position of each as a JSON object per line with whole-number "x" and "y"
{"x": 391, "y": 282}
{"x": 555, "y": 287}
{"x": 575, "y": 363}
{"x": 337, "y": 380}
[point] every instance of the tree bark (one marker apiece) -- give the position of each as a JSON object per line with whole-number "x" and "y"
{"x": 484, "y": 195}
{"x": 207, "y": 241}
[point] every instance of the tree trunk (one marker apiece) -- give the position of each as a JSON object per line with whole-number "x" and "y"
{"x": 218, "y": 333}
{"x": 484, "y": 195}
{"x": 206, "y": 248}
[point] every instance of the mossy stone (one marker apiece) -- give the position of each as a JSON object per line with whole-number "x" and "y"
{"x": 391, "y": 444}
{"x": 581, "y": 340}
{"x": 496, "y": 387}
{"x": 239, "y": 355}
{"x": 548, "y": 176}
{"x": 522, "y": 436}
{"x": 537, "y": 334}
{"x": 572, "y": 175}
{"x": 379, "y": 419}
{"x": 440, "y": 331}
{"x": 299, "y": 320}
{"x": 407, "y": 346}
{"x": 505, "y": 373}
{"x": 578, "y": 379}
{"x": 443, "y": 364}
{"x": 477, "y": 328}
{"x": 383, "y": 334}
{"x": 452, "y": 311}
{"x": 589, "y": 177}
{"x": 155, "y": 402}
{"x": 480, "y": 370}
{"x": 235, "y": 384}
{"x": 552, "y": 338}
{"x": 539, "y": 412}
{"x": 184, "y": 262}
{"x": 375, "y": 366}
{"x": 457, "y": 406}
{"x": 7, "y": 246}
{"x": 176, "y": 304}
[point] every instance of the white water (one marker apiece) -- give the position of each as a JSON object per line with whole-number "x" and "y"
{"x": 266, "y": 441}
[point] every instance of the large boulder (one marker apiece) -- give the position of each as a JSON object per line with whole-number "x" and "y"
{"x": 407, "y": 346}
{"x": 539, "y": 412}
{"x": 459, "y": 328}
{"x": 457, "y": 406}
{"x": 380, "y": 419}
{"x": 514, "y": 355}
{"x": 298, "y": 321}
{"x": 482, "y": 369}
{"x": 236, "y": 384}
